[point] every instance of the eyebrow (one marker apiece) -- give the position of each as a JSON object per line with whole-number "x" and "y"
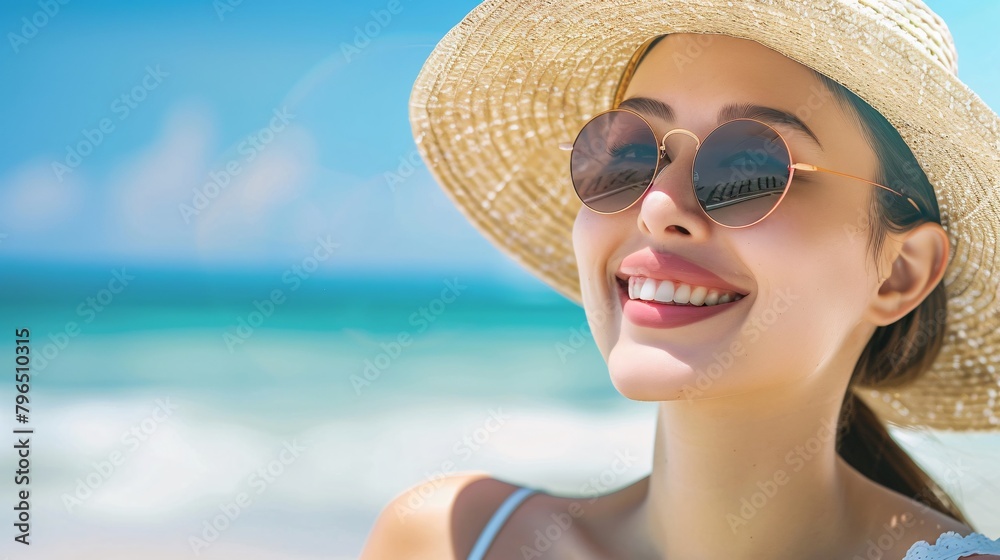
{"x": 769, "y": 115}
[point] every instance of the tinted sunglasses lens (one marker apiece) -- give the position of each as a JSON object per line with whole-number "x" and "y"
{"x": 613, "y": 161}
{"x": 740, "y": 172}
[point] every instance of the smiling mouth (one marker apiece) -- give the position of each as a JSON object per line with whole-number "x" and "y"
{"x": 670, "y": 293}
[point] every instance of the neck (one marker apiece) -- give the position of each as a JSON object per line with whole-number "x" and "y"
{"x": 749, "y": 476}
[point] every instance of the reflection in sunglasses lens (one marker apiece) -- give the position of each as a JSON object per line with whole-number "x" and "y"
{"x": 740, "y": 172}
{"x": 613, "y": 161}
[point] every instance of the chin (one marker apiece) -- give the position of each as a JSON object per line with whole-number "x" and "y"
{"x": 644, "y": 373}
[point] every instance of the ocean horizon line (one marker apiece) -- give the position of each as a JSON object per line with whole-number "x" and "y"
{"x": 49, "y": 283}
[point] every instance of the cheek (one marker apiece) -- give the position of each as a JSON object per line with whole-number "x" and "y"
{"x": 813, "y": 276}
{"x": 593, "y": 245}
{"x": 820, "y": 237}
{"x": 584, "y": 249}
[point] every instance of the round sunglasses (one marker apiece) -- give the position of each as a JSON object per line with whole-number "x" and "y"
{"x": 741, "y": 171}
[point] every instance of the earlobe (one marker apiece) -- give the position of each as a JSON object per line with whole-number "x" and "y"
{"x": 921, "y": 256}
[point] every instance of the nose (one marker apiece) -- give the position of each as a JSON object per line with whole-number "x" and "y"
{"x": 669, "y": 207}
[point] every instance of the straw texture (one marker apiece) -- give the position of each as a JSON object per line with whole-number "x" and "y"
{"x": 515, "y": 78}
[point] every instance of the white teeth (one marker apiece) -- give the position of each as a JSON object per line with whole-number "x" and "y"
{"x": 698, "y": 295}
{"x": 682, "y": 294}
{"x": 648, "y": 289}
{"x": 666, "y": 291}
{"x": 712, "y": 298}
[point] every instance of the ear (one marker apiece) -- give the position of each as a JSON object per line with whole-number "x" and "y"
{"x": 916, "y": 263}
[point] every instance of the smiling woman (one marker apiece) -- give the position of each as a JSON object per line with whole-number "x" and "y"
{"x": 778, "y": 237}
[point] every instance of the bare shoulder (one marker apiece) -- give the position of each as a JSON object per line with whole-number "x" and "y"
{"x": 436, "y": 519}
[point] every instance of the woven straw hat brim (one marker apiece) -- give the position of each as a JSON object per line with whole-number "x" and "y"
{"x": 513, "y": 79}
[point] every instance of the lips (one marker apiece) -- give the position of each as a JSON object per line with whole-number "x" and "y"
{"x": 655, "y": 315}
{"x": 669, "y": 266}
{"x": 666, "y": 268}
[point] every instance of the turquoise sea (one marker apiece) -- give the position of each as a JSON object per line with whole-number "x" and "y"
{"x": 154, "y": 438}
{"x": 149, "y": 421}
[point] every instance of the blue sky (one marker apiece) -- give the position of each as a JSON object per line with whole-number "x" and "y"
{"x": 202, "y": 88}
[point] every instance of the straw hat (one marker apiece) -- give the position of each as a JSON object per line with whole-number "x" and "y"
{"x": 516, "y": 77}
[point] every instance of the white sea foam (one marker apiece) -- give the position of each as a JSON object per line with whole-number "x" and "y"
{"x": 204, "y": 454}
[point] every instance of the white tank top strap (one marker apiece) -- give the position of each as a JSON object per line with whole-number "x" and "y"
{"x": 952, "y": 546}
{"x": 496, "y": 522}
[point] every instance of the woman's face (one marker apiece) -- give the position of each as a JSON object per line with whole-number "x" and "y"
{"x": 804, "y": 270}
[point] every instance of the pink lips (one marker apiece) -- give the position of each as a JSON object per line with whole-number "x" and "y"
{"x": 665, "y": 266}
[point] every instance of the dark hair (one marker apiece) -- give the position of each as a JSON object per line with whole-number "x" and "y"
{"x": 900, "y": 352}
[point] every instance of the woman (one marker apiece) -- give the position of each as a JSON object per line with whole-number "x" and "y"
{"x": 783, "y": 233}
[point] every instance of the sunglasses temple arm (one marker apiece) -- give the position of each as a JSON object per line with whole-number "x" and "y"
{"x": 808, "y": 167}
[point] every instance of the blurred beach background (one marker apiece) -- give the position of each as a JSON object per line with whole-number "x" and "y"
{"x": 256, "y": 319}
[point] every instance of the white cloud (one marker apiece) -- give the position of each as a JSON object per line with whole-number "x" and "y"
{"x": 231, "y": 217}
{"x": 32, "y": 199}
{"x": 145, "y": 190}
{"x": 252, "y": 211}
{"x": 270, "y": 212}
